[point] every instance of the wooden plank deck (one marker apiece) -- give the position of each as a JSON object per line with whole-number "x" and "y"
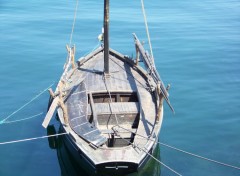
{"x": 123, "y": 78}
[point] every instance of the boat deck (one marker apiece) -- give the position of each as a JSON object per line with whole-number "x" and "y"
{"x": 124, "y": 84}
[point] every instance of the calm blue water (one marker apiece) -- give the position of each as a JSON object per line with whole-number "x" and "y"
{"x": 196, "y": 46}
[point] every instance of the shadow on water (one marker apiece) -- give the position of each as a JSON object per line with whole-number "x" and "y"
{"x": 69, "y": 166}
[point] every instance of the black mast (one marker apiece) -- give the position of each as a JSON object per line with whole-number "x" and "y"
{"x": 106, "y": 39}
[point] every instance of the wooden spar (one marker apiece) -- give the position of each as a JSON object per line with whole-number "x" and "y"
{"x": 73, "y": 57}
{"x": 61, "y": 103}
{"x": 50, "y": 112}
{"x": 51, "y": 93}
{"x": 161, "y": 98}
{"x": 137, "y": 55}
{"x": 148, "y": 61}
{"x": 106, "y": 38}
{"x": 57, "y": 102}
{"x": 64, "y": 110}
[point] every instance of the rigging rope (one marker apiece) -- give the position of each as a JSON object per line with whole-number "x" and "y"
{"x": 110, "y": 101}
{"x": 149, "y": 154}
{"x": 74, "y": 20}
{"x": 30, "y": 139}
{"x": 198, "y": 156}
{"x": 180, "y": 150}
{"x": 146, "y": 25}
{"x": 161, "y": 163}
{"x": 23, "y": 106}
{"x": 19, "y": 120}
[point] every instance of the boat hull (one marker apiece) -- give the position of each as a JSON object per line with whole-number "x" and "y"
{"x": 96, "y": 138}
{"x": 115, "y": 168}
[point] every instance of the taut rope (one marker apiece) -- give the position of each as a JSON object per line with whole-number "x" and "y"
{"x": 74, "y": 20}
{"x": 23, "y": 106}
{"x": 180, "y": 150}
{"x": 23, "y": 119}
{"x": 150, "y": 155}
{"x": 146, "y": 25}
{"x": 30, "y": 139}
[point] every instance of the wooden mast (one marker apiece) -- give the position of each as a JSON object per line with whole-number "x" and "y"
{"x": 106, "y": 38}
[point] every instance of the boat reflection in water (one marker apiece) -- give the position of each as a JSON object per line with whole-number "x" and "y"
{"x": 69, "y": 167}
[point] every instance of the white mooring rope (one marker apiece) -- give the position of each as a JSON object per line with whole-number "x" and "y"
{"x": 198, "y": 156}
{"x": 146, "y": 25}
{"x": 30, "y": 139}
{"x": 73, "y": 25}
{"x": 23, "y": 106}
{"x": 169, "y": 168}
{"x": 192, "y": 154}
{"x": 19, "y": 120}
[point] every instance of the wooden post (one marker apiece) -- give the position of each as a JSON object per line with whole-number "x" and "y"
{"x": 160, "y": 104}
{"x": 61, "y": 103}
{"x": 73, "y": 57}
{"x": 161, "y": 99}
{"x": 51, "y": 93}
{"x": 64, "y": 109}
{"x": 68, "y": 49}
{"x": 137, "y": 55}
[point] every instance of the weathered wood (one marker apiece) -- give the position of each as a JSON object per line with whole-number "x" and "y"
{"x": 69, "y": 87}
{"x": 64, "y": 109}
{"x": 73, "y": 57}
{"x": 93, "y": 110}
{"x": 137, "y": 113}
{"x": 50, "y": 112}
{"x": 116, "y": 108}
{"x": 60, "y": 102}
{"x": 51, "y": 93}
{"x": 137, "y": 55}
{"x": 149, "y": 63}
{"x": 160, "y": 102}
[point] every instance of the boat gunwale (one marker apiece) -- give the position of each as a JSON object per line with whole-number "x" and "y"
{"x": 75, "y": 138}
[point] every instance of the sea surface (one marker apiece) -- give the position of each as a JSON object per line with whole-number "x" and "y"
{"x": 196, "y": 45}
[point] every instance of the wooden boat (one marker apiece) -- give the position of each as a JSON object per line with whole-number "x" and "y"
{"x": 110, "y": 107}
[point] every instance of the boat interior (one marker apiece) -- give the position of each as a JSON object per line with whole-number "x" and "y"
{"x": 114, "y": 110}
{"x": 108, "y": 111}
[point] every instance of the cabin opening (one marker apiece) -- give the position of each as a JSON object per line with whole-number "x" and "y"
{"x": 106, "y": 113}
{"x": 116, "y": 97}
